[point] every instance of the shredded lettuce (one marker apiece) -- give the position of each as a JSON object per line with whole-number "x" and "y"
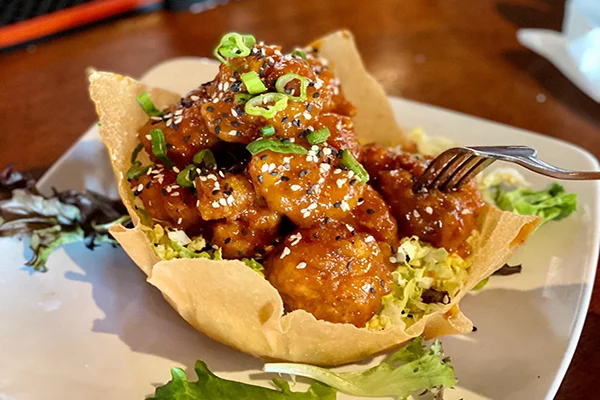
{"x": 425, "y": 280}
{"x": 171, "y": 243}
{"x": 412, "y": 368}
{"x": 553, "y": 203}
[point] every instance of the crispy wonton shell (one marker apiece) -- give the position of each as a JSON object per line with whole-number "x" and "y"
{"x": 228, "y": 301}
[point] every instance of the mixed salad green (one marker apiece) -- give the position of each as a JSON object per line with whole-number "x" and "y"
{"x": 413, "y": 368}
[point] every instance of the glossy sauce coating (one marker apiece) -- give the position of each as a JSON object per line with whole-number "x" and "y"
{"x": 330, "y": 271}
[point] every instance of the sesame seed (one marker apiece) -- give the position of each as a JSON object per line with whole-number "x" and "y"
{"x": 272, "y": 167}
{"x": 338, "y": 238}
{"x": 285, "y": 178}
{"x": 234, "y": 113}
{"x": 303, "y": 173}
{"x": 260, "y": 178}
{"x": 369, "y": 239}
{"x": 215, "y": 204}
{"x": 345, "y": 206}
{"x": 337, "y": 171}
{"x": 286, "y": 251}
{"x": 198, "y": 203}
{"x": 428, "y": 210}
{"x": 465, "y": 212}
{"x": 179, "y": 221}
{"x": 230, "y": 200}
{"x": 227, "y": 240}
{"x": 312, "y": 206}
{"x": 264, "y": 168}
{"x": 148, "y": 137}
{"x": 222, "y": 201}
{"x": 321, "y": 180}
{"x": 337, "y": 204}
{"x": 306, "y": 214}
{"x": 140, "y": 187}
{"x": 295, "y": 188}
{"x": 175, "y": 194}
{"x": 349, "y": 266}
{"x": 232, "y": 132}
{"x": 372, "y": 290}
{"x": 301, "y": 265}
{"x": 340, "y": 182}
{"x": 370, "y": 211}
{"x": 194, "y": 97}
{"x": 416, "y": 214}
{"x": 273, "y": 173}
{"x": 349, "y": 227}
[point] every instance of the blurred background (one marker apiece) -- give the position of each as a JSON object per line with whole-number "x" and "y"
{"x": 460, "y": 55}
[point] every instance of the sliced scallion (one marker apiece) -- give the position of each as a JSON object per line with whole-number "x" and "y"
{"x": 159, "y": 146}
{"x": 260, "y": 145}
{"x": 136, "y": 151}
{"x": 253, "y": 83}
{"x": 185, "y": 178}
{"x": 234, "y": 45}
{"x": 353, "y": 165}
{"x": 318, "y": 136}
{"x": 136, "y": 170}
{"x": 205, "y": 157}
{"x": 299, "y": 53}
{"x": 241, "y": 98}
{"x": 266, "y": 105}
{"x": 268, "y": 130}
{"x": 283, "y": 81}
{"x": 147, "y": 105}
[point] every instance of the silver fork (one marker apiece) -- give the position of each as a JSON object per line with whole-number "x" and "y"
{"x": 456, "y": 166}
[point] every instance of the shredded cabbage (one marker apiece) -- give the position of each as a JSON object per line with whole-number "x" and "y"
{"x": 174, "y": 243}
{"x": 426, "y": 279}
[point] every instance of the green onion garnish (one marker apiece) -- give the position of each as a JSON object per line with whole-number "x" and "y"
{"x": 283, "y": 80}
{"x": 299, "y": 53}
{"x": 159, "y": 147}
{"x": 205, "y": 156}
{"x": 234, "y": 45}
{"x": 135, "y": 153}
{"x": 266, "y": 105}
{"x": 318, "y": 136}
{"x": 241, "y": 98}
{"x": 147, "y": 105}
{"x": 353, "y": 165}
{"x": 136, "y": 170}
{"x": 260, "y": 145}
{"x": 268, "y": 130}
{"x": 253, "y": 83}
{"x": 185, "y": 178}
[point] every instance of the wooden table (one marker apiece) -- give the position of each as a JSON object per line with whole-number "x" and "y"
{"x": 445, "y": 53}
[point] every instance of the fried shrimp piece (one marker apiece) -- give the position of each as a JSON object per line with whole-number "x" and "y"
{"x": 305, "y": 188}
{"x": 334, "y": 273}
{"x": 443, "y": 219}
{"x": 223, "y": 195}
{"x": 166, "y": 201}
{"x": 250, "y": 235}
{"x": 374, "y": 216}
{"x": 184, "y": 131}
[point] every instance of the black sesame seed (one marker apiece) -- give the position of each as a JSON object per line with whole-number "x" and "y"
{"x": 148, "y": 185}
{"x": 136, "y": 193}
{"x": 309, "y": 192}
{"x": 337, "y": 204}
{"x": 238, "y": 134}
{"x": 273, "y": 173}
{"x": 224, "y": 115}
{"x": 349, "y": 266}
{"x": 187, "y": 138}
{"x": 175, "y": 127}
{"x": 382, "y": 282}
{"x": 235, "y": 86}
{"x": 296, "y": 122}
{"x": 240, "y": 253}
{"x": 370, "y": 211}
{"x": 353, "y": 182}
{"x": 285, "y": 140}
{"x": 170, "y": 146}
{"x": 217, "y": 129}
{"x": 316, "y": 95}
{"x": 303, "y": 173}
{"x": 372, "y": 290}
{"x": 284, "y": 119}
{"x": 315, "y": 235}
{"x": 260, "y": 179}
{"x": 309, "y": 107}
{"x": 338, "y": 238}
{"x": 236, "y": 74}
{"x": 474, "y": 329}
{"x": 235, "y": 124}
{"x": 327, "y": 220}
{"x": 186, "y": 103}
{"x": 215, "y": 192}
{"x": 217, "y": 121}
{"x": 285, "y": 178}
{"x": 360, "y": 199}
{"x": 163, "y": 191}
{"x": 210, "y": 109}
{"x": 227, "y": 240}
{"x": 244, "y": 232}
{"x": 228, "y": 100}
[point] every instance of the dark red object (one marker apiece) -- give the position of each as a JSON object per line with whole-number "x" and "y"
{"x": 27, "y": 20}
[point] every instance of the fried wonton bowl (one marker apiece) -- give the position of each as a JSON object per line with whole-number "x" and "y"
{"x": 233, "y": 304}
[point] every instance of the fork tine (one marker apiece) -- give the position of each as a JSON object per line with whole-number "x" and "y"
{"x": 434, "y": 169}
{"x": 460, "y": 172}
{"x": 446, "y": 174}
{"x": 481, "y": 164}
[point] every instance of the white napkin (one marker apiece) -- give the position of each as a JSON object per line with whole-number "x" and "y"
{"x": 576, "y": 50}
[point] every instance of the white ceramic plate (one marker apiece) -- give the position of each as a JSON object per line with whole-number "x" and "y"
{"x": 91, "y": 328}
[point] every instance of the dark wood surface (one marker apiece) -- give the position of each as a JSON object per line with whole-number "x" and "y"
{"x": 445, "y": 52}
